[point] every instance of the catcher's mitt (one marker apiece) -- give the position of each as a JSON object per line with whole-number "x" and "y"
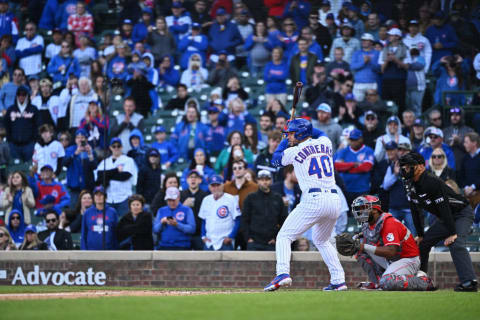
{"x": 346, "y": 245}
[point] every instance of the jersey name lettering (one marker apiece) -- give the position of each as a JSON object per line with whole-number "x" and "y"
{"x": 314, "y": 149}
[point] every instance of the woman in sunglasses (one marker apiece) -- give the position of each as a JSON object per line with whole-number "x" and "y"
{"x": 31, "y": 241}
{"x": 439, "y": 166}
{"x": 6, "y": 241}
{"x": 16, "y": 226}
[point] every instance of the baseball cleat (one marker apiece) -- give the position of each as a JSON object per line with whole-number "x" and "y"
{"x": 282, "y": 280}
{"x": 467, "y": 286}
{"x": 367, "y": 285}
{"x": 336, "y": 287}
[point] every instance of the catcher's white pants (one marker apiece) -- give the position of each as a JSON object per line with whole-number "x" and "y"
{"x": 319, "y": 211}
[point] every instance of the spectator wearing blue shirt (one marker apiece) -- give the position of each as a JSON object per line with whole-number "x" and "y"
{"x": 7, "y": 22}
{"x": 442, "y": 37}
{"x": 179, "y": 22}
{"x": 168, "y": 151}
{"x": 168, "y": 76}
{"x": 357, "y": 23}
{"x": 302, "y": 64}
{"x": 141, "y": 29}
{"x": 200, "y": 164}
{"x": 216, "y": 133}
{"x": 434, "y": 139}
{"x": 450, "y": 72}
{"x": 258, "y": 46}
{"x": 80, "y": 162}
{"x": 354, "y": 164}
{"x": 63, "y": 64}
{"x": 275, "y": 74}
{"x": 8, "y": 91}
{"x": 416, "y": 82}
{"x": 189, "y": 133}
{"x": 298, "y": 10}
{"x": 195, "y": 42}
{"x": 174, "y": 223}
{"x": 223, "y": 36}
{"x": 365, "y": 66}
{"x": 286, "y": 38}
{"x": 117, "y": 67}
{"x": 93, "y": 224}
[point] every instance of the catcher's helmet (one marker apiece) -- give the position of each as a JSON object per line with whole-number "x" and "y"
{"x": 362, "y": 206}
{"x": 301, "y": 127}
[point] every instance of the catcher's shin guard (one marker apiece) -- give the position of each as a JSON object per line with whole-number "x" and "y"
{"x": 394, "y": 282}
{"x": 373, "y": 270}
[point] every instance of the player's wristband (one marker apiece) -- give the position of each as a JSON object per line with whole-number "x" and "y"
{"x": 368, "y": 248}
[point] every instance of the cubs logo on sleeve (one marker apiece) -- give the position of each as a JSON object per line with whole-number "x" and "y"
{"x": 180, "y": 216}
{"x": 222, "y": 212}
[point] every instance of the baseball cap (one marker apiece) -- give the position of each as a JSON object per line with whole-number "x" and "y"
{"x": 117, "y": 140}
{"x": 47, "y": 166}
{"x": 264, "y": 174}
{"x": 172, "y": 193}
{"x": 30, "y": 227}
{"x": 370, "y": 113}
{"x": 324, "y": 107}
{"x": 196, "y": 25}
{"x": 330, "y": 16}
{"x": 405, "y": 145}
{"x": 391, "y": 145}
{"x": 215, "y": 179}
{"x": 159, "y": 129}
{"x": 193, "y": 171}
{"x": 353, "y": 7}
{"x": 81, "y": 132}
{"x": 33, "y": 77}
{"x": 147, "y": 10}
{"x": 394, "y": 32}
{"x": 393, "y": 119}
{"x": 127, "y": 21}
{"x": 213, "y": 110}
{"x": 346, "y": 3}
{"x": 22, "y": 90}
{"x": 367, "y": 36}
{"x": 418, "y": 123}
{"x": 347, "y": 25}
{"x": 153, "y": 153}
{"x": 94, "y": 102}
{"x": 244, "y": 12}
{"x": 177, "y": 5}
{"x": 221, "y": 12}
{"x": 355, "y": 134}
{"x": 350, "y": 97}
{"x": 435, "y": 131}
{"x": 99, "y": 189}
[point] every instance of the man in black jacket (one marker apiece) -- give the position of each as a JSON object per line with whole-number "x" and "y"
{"x": 454, "y": 217}
{"x": 193, "y": 197}
{"x": 263, "y": 161}
{"x": 263, "y": 215}
{"x": 288, "y": 188}
{"x": 55, "y": 238}
{"x": 21, "y": 123}
{"x": 149, "y": 176}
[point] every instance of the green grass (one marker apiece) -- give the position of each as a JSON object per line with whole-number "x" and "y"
{"x": 291, "y": 304}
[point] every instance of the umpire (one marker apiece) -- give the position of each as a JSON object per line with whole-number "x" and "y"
{"x": 453, "y": 212}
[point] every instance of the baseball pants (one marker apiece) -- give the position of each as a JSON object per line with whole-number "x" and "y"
{"x": 319, "y": 211}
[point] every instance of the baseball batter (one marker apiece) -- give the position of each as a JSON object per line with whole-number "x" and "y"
{"x": 319, "y": 208}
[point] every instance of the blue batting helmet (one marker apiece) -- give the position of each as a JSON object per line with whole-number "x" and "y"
{"x": 301, "y": 127}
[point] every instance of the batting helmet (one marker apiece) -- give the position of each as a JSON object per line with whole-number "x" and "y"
{"x": 362, "y": 206}
{"x": 301, "y": 127}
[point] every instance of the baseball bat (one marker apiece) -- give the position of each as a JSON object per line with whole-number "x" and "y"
{"x": 297, "y": 91}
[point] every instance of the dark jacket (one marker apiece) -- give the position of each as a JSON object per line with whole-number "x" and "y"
{"x": 262, "y": 216}
{"x": 263, "y": 162}
{"x": 470, "y": 173}
{"x": 295, "y": 67}
{"x": 40, "y": 246}
{"x": 135, "y": 234}
{"x": 158, "y": 202}
{"x": 199, "y": 195}
{"x": 370, "y": 137}
{"x": 22, "y": 128}
{"x": 149, "y": 182}
{"x": 447, "y": 173}
{"x": 62, "y": 239}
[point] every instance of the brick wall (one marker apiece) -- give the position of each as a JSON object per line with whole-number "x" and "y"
{"x": 200, "y": 269}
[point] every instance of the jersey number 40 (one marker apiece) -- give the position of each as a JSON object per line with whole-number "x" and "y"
{"x": 316, "y": 167}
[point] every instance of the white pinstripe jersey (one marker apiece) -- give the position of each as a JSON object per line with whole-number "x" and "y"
{"x": 313, "y": 163}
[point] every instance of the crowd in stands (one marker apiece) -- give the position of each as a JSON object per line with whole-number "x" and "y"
{"x": 89, "y": 159}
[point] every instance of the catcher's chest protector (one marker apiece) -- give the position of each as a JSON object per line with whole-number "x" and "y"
{"x": 372, "y": 236}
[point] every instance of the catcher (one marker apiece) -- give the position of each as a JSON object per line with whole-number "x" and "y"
{"x": 387, "y": 252}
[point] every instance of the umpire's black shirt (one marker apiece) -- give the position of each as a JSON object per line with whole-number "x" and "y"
{"x": 433, "y": 195}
